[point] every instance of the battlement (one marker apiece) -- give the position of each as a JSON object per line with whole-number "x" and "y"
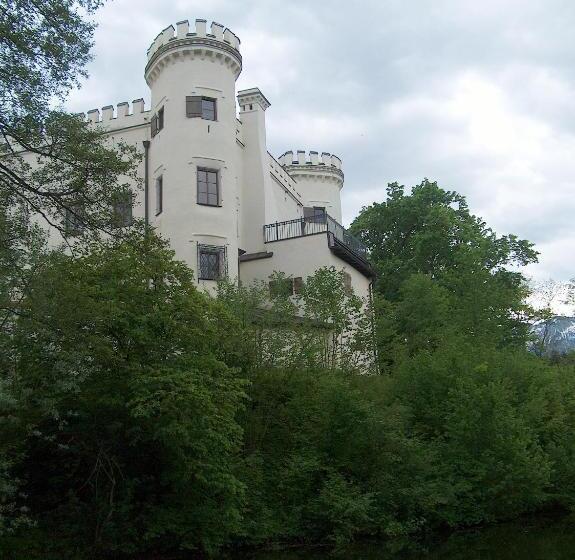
{"x": 309, "y": 159}
{"x": 121, "y": 117}
{"x": 182, "y": 31}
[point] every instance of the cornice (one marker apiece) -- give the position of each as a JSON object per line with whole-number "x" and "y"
{"x": 192, "y": 46}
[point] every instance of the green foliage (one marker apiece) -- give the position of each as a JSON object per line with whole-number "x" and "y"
{"x": 440, "y": 269}
{"x": 322, "y": 325}
{"x": 124, "y": 430}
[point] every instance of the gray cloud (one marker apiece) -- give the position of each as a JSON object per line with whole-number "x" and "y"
{"x": 479, "y": 96}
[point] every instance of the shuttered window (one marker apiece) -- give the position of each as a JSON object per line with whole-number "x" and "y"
{"x": 203, "y": 107}
{"x": 157, "y": 122}
{"x": 208, "y": 187}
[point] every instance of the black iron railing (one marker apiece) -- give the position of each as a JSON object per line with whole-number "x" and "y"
{"x": 301, "y": 227}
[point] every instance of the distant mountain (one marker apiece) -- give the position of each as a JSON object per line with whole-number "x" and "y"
{"x": 557, "y": 335}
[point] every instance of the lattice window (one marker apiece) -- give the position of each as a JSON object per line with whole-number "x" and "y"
{"x": 212, "y": 262}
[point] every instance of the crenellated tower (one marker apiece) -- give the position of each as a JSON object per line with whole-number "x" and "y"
{"x": 320, "y": 179}
{"x": 193, "y": 161}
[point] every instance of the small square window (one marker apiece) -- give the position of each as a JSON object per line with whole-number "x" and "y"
{"x": 212, "y": 263}
{"x": 281, "y": 287}
{"x": 315, "y": 214}
{"x": 203, "y": 107}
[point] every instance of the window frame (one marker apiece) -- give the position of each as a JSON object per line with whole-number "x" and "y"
{"x": 122, "y": 210}
{"x": 157, "y": 122}
{"x": 218, "y": 189}
{"x": 220, "y": 252}
{"x": 74, "y": 224}
{"x": 195, "y": 114}
{"x": 159, "y": 195}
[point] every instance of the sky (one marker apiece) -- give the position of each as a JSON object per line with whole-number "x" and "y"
{"x": 478, "y": 95}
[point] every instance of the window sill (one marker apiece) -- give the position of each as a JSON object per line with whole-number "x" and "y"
{"x": 202, "y": 118}
{"x": 210, "y": 205}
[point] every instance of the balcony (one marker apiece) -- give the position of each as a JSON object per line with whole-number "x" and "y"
{"x": 340, "y": 241}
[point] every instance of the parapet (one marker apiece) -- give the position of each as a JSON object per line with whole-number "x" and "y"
{"x": 219, "y": 37}
{"x": 122, "y": 117}
{"x": 309, "y": 158}
{"x": 326, "y": 167}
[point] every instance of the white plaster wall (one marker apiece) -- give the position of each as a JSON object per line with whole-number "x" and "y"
{"x": 183, "y": 145}
{"x": 301, "y": 256}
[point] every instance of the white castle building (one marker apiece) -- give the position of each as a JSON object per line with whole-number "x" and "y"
{"x": 212, "y": 188}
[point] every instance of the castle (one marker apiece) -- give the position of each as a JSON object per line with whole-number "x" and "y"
{"x": 225, "y": 203}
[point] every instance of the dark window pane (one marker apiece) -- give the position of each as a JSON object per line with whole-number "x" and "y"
{"x": 122, "y": 211}
{"x": 74, "y": 220}
{"x": 202, "y": 175}
{"x": 161, "y": 119}
{"x": 211, "y": 262}
{"x": 159, "y": 195}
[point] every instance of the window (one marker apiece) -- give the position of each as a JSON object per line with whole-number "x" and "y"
{"x": 74, "y": 220}
{"x": 212, "y": 263}
{"x": 208, "y": 187}
{"x": 159, "y": 195}
{"x": 285, "y": 287}
{"x": 348, "y": 290}
{"x": 316, "y": 214}
{"x": 281, "y": 287}
{"x": 122, "y": 211}
{"x": 204, "y": 107}
{"x": 157, "y": 122}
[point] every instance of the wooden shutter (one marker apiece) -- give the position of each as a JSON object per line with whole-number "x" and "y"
{"x": 193, "y": 106}
{"x": 297, "y": 285}
{"x": 154, "y": 125}
{"x": 347, "y": 283}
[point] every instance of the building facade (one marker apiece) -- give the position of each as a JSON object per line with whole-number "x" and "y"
{"x": 225, "y": 203}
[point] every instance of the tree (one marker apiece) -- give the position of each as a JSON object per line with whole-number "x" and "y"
{"x": 124, "y": 432}
{"x": 430, "y": 233}
{"x": 68, "y": 169}
{"x": 55, "y": 169}
{"x": 319, "y": 323}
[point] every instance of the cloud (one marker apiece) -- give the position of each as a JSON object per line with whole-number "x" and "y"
{"x": 479, "y": 96}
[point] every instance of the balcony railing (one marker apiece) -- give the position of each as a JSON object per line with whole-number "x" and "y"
{"x": 301, "y": 227}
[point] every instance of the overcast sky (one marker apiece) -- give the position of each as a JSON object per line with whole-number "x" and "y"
{"x": 478, "y": 95}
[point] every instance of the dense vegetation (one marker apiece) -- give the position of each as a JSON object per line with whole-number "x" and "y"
{"x": 140, "y": 417}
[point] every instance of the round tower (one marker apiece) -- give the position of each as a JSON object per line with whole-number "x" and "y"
{"x": 193, "y": 158}
{"x": 320, "y": 179}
